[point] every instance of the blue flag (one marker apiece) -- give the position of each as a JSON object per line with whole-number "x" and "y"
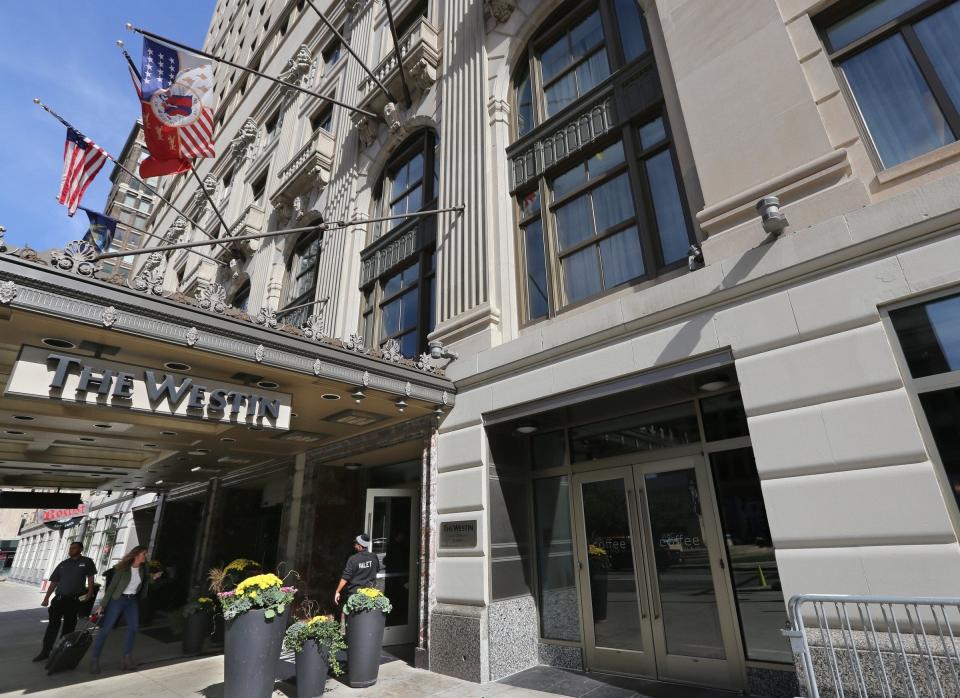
{"x": 101, "y": 231}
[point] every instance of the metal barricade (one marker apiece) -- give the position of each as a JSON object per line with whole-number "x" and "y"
{"x": 867, "y": 646}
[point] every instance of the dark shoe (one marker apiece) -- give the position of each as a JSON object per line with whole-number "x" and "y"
{"x": 128, "y": 663}
{"x": 94, "y": 665}
{"x": 40, "y": 657}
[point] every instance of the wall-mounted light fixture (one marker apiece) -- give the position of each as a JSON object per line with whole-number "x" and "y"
{"x": 771, "y": 216}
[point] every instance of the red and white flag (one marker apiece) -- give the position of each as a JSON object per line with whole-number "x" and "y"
{"x": 82, "y": 160}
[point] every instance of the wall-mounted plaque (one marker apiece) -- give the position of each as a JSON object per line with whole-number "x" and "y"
{"x": 458, "y": 534}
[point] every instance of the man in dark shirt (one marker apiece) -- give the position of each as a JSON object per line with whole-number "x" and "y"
{"x": 72, "y": 580}
{"x": 361, "y": 568}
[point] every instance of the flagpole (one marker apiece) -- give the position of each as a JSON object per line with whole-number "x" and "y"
{"x": 212, "y": 57}
{"x": 346, "y": 45}
{"x": 156, "y": 193}
{"x": 226, "y": 228}
{"x": 156, "y": 237}
{"x": 278, "y": 233}
{"x": 396, "y": 50}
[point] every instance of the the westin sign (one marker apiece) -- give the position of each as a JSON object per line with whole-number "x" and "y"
{"x": 55, "y": 375}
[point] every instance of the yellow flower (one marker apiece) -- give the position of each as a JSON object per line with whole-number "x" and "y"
{"x": 240, "y": 564}
{"x": 204, "y": 599}
{"x": 596, "y": 550}
{"x": 370, "y": 592}
{"x": 260, "y": 581}
{"x": 319, "y": 619}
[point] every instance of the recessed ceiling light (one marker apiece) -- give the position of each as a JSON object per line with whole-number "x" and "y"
{"x": 199, "y": 452}
{"x": 268, "y": 385}
{"x": 159, "y": 482}
{"x": 713, "y": 384}
{"x": 103, "y": 426}
{"x": 58, "y": 343}
{"x": 14, "y": 432}
{"x": 168, "y": 433}
{"x": 177, "y": 366}
{"x": 194, "y": 468}
{"x": 330, "y": 396}
{"x": 54, "y": 465}
{"x": 526, "y": 428}
{"x": 294, "y": 415}
{"x": 24, "y": 417}
{"x": 352, "y": 466}
{"x": 228, "y": 440}
{"x": 87, "y": 438}
{"x": 150, "y": 446}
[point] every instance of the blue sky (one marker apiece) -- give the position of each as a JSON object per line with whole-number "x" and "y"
{"x": 64, "y": 52}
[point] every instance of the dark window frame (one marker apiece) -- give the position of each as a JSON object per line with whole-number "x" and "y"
{"x": 635, "y": 155}
{"x": 903, "y": 25}
{"x": 295, "y": 273}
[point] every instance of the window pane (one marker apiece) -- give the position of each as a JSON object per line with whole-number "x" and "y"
{"x": 538, "y": 304}
{"x": 652, "y": 133}
{"x": 586, "y": 35}
{"x": 631, "y": 28}
{"x": 621, "y": 257}
{"x": 548, "y": 450}
{"x": 897, "y": 106}
{"x": 561, "y": 93}
{"x": 431, "y": 304}
{"x": 723, "y": 417}
{"x": 861, "y": 23}
{"x": 594, "y": 71}
{"x": 943, "y": 413}
{"x": 574, "y": 222}
{"x": 415, "y": 199}
{"x": 408, "y": 344}
{"x": 390, "y": 318}
{"x": 939, "y": 33}
{"x": 568, "y": 181}
{"x": 613, "y": 202}
{"x": 410, "y": 274}
{"x": 399, "y": 183}
{"x": 557, "y": 598}
{"x": 415, "y": 169}
{"x": 665, "y": 427}
{"x": 667, "y": 207}
{"x": 555, "y": 59}
{"x": 393, "y": 284}
{"x": 524, "y": 104}
{"x": 530, "y": 203}
{"x": 409, "y": 309}
{"x": 581, "y": 274}
{"x": 606, "y": 159}
{"x": 930, "y": 336}
{"x": 753, "y": 564}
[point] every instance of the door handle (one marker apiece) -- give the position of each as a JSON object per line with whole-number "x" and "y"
{"x": 636, "y": 573}
{"x": 654, "y": 593}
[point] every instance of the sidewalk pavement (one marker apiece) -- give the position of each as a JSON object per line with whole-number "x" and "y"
{"x": 163, "y": 673}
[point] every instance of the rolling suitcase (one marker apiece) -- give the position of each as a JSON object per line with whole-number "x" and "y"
{"x": 70, "y": 649}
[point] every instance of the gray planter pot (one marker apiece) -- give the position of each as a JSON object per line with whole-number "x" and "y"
{"x": 364, "y": 641}
{"x": 313, "y": 663}
{"x": 251, "y": 650}
{"x": 195, "y": 631}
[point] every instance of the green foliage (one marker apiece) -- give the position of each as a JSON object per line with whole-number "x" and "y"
{"x": 202, "y": 604}
{"x": 264, "y": 591}
{"x": 367, "y": 599}
{"x": 321, "y": 629}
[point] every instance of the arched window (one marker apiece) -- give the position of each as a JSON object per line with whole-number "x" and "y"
{"x": 301, "y": 280}
{"x": 595, "y": 177}
{"x": 398, "y": 266}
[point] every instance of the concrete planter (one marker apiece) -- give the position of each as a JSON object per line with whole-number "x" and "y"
{"x": 195, "y": 630}
{"x": 251, "y": 650}
{"x": 364, "y": 641}
{"x": 313, "y": 663}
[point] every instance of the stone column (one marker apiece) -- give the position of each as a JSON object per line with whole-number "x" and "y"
{"x": 463, "y": 243}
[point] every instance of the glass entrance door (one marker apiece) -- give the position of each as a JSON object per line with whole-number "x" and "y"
{"x": 653, "y": 594}
{"x": 392, "y": 518}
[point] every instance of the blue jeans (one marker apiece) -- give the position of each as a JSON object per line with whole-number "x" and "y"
{"x": 127, "y": 605}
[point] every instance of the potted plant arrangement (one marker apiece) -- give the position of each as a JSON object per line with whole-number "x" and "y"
{"x": 315, "y": 640}
{"x": 366, "y": 611}
{"x": 198, "y": 620}
{"x": 599, "y": 563}
{"x": 255, "y": 613}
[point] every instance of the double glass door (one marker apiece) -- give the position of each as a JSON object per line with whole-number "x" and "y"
{"x": 654, "y": 596}
{"x": 393, "y": 518}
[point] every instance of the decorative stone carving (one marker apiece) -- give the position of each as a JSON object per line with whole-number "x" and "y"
{"x": 500, "y": 10}
{"x": 8, "y": 291}
{"x": 267, "y": 317}
{"x": 109, "y": 316}
{"x": 407, "y": 389}
{"x": 210, "y": 187}
{"x": 312, "y": 327}
{"x": 365, "y": 379}
{"x": 298, "y": 67}
{"x": 423, "y": 75}
{"x": 354, "y": 6}
{"x": 176, "y": 231}
{"x": 150, "y": 276}
{"x": 355, "y": 342}
{"x": 317, "y": 367}
{"x": 243, "y": 144}
{"x": 212, "y": 297}
{"x": 391, "y": 351}
{"x": 445, "y": 398}
{"x": 366, "y": 129}
{"x": 391, "y": 115}
{"x": 78, "y": 256}
{"x": 192, "y": 336}
{"x": 259, "y": 353}
{"x": 425, "y": 364}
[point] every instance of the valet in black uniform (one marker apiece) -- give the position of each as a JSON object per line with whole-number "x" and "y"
{"x": 361, "y": 569}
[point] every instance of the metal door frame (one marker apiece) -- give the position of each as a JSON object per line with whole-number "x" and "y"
{"x": 400, "y": 634}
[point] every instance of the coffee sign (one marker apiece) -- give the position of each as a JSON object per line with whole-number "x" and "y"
{"x": 58, "y": 376}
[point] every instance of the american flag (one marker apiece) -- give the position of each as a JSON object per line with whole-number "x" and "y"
{"x": 82, "y": 160}
{"x": 176, "y": 94}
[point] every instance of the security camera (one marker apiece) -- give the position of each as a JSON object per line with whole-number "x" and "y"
{"x": 438, "y": 351}
{"x": 771, "y": 216}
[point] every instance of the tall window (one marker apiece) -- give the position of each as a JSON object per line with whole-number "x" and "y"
{"x": 301, "y": 279}
{"x": 929, "y": 335}
{"x": 901, "y": 63}
{"x": 399, "y": 291}
{"x": 606, "y": 207}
